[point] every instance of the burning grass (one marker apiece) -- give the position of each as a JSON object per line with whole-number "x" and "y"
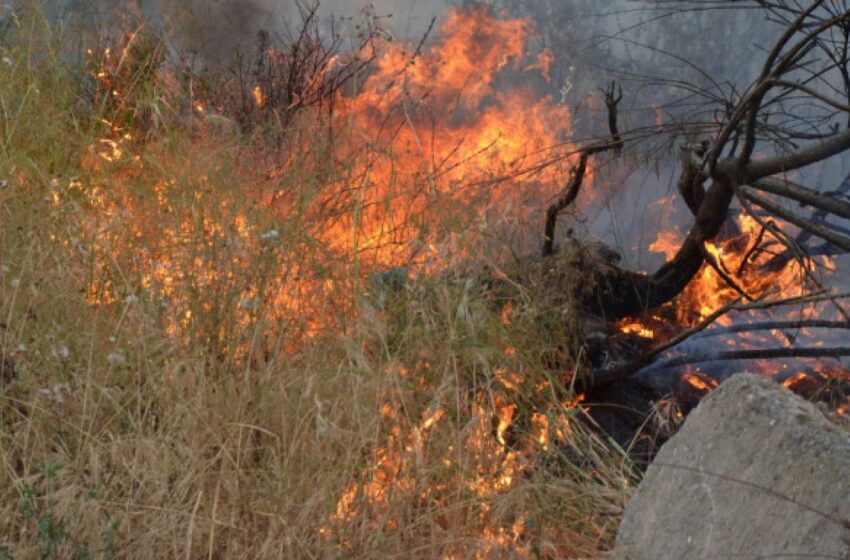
{"x": 203, "y": 354}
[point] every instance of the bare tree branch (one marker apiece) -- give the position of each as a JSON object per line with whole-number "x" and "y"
{"x": 816, "y": 229}
{"x": 799, "y": 193}
{"x": 759, "y": 169}
{"x": 615, "y": 143}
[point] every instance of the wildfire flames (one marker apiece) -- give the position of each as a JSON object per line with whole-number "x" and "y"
{"x": 437, "y": 126}
{"x": 429, "y": 134}
{"x": 745, "y": 256}
{"x": 753, "y": 258}
{"x": 456, "y": 128}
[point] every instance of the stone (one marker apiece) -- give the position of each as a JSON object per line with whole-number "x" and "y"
{"x": 754, "y": 472}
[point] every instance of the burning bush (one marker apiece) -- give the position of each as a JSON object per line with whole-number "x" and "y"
{"x": 197, "y": 329}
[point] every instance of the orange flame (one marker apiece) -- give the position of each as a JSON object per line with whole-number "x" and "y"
{"x": 708, "y": 291}
{"x": 259, "y": 96}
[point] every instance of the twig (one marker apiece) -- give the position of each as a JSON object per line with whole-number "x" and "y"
{"x": 572, "y": 189}
{"x": 713, "y": 263}
{"x": 746, "y": 260}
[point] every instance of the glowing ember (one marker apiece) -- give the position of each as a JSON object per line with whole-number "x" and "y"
{"x": 634, "y": 327}
{"x": 259, "y": 96}
{"x": 700, "y": 382}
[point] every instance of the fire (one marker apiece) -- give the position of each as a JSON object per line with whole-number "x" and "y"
{"x": 667, "y": 242}
{"x": 489, "y": 136}
{"x": 743, "y": 257}
{"x": 427, "y": 138}
{"x": 259, "y": 96}
{"x": 506, "y": 418}
{"x": 700, "y": 382}
{"x": 638, "y": 328}
{"x": 749, "y": 258}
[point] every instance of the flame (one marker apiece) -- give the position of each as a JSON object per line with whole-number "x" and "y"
{"x": 427, "y": 138}
{"x": 700, "y": 382}
{"x": 795, "y": 380}
{"x": 544, "y": 64}
{"x": 489, "y": 136}
{"x": 749, "y": 258}
{"x": 708, "y": 291}
{"x": 638, "y": 328}
{"x": 259, "y": 96}
{"x": 505, "y": 314}
{"x": 667, "y": 242}
{"x": 506, "y": 418}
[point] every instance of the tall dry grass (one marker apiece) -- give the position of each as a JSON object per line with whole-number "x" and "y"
{"x": 164, "y": 393}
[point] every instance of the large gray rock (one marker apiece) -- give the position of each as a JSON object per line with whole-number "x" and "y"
{"x": 755, "y": 472}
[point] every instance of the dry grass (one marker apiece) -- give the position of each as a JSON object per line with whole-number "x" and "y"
{"x": 151, "y": 414}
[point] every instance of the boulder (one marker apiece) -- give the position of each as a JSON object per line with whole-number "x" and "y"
{"x": 754, "y": 472}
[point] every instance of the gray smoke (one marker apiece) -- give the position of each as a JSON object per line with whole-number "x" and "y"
{"x": 219, "y": 28}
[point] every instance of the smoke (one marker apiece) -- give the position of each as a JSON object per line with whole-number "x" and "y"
{"x": 217, "y": 29}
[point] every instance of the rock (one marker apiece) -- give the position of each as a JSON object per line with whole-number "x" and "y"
{"x": 754, "y": 472}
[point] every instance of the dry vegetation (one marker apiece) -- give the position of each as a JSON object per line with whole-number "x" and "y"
{"x": 188, "y": 368}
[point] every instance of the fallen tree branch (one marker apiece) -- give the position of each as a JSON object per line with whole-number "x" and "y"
{"x": 815, "y": 229}
{"x": 815, "y": 297}
{"x": 618, "y": 373}
{"x": 776, "y": 325}
{"x": 759, "y": 354}
{"x": 810, "y": 197}
{"x": 759, "y": 169}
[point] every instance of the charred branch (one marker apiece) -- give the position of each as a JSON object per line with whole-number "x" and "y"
{"x": 565, "y": 200}
{"x": 623, "y": 371}
{"x": 648, "y": 292}
{"x": 814, "y": 228}
{"x": 691, "y": 183}
{"x": 834, "y": 145}
{"x": 840, "y": 192}
{"x": 759, "y": 354}
{"x": 601, "y": 378}
{"x": 571, "y": 192}
{"x": 612, "y": 100}
{"x": 776, "y": 325}
{"x": 804, "y": 195}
